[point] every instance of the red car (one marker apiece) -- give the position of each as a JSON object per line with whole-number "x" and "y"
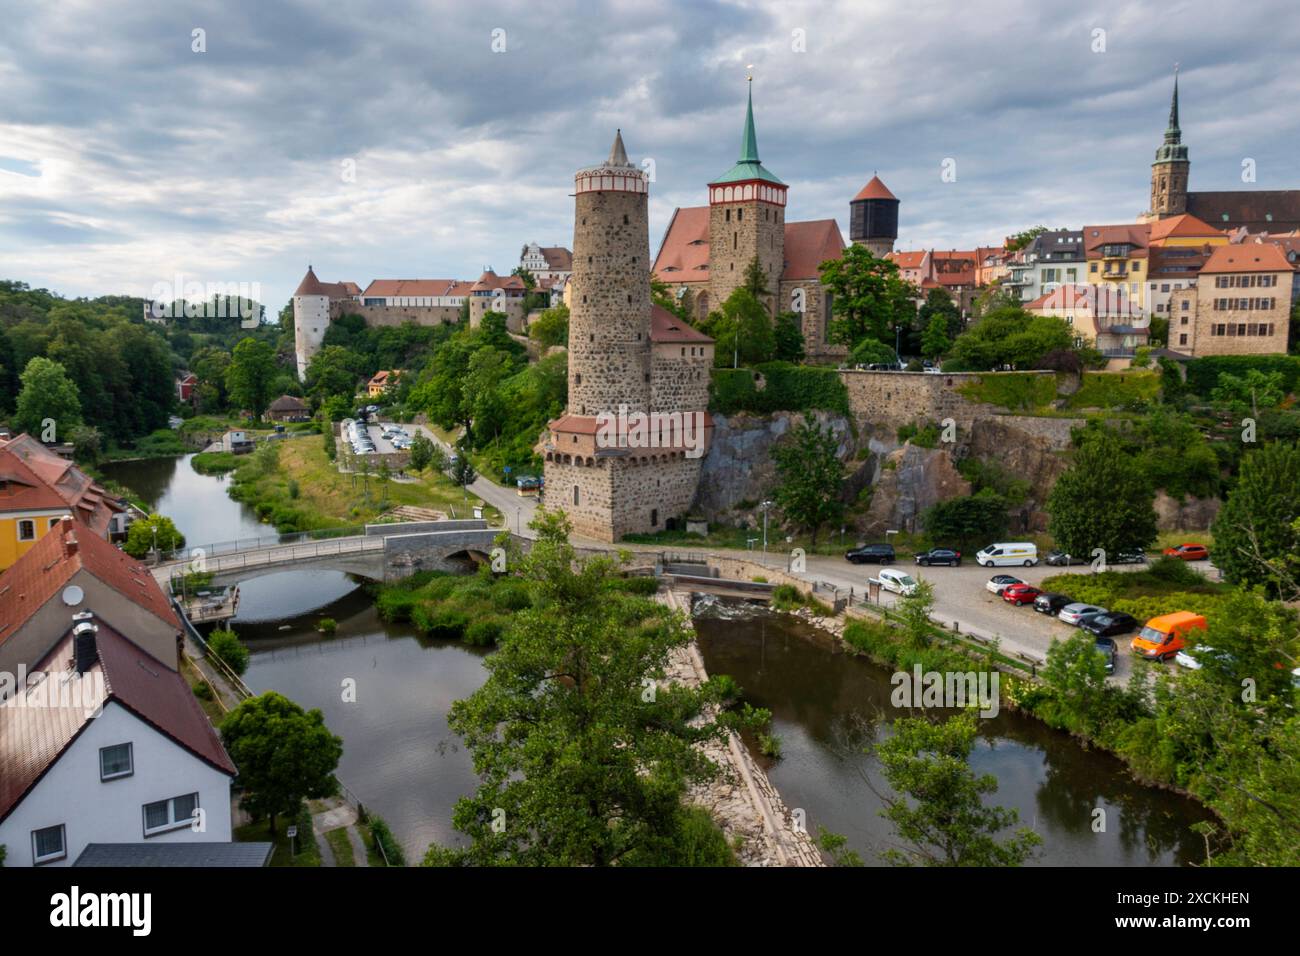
{"x": 1020, "y": 594}
{"x": 1188, "y": 552}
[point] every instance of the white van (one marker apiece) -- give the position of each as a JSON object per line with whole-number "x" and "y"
{"x": 1006, "y": 554}
{"x": 900, "y": 582}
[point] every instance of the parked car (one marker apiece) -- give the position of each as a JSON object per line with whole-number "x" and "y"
{"x": 1161, "y": 638}
{"x": 1019, "y": 594}
{"x": 1049, "y": 602}
{"x": 871, "y": 554}
{"x": 1078, "y": 612}
{"x": 1107, "y": 647}
{"x": 1060, "y": 559}
{"x": 1129, "y": 557}
{"x": 1000, "y": 581}
{"x": 1016, "y": 552}
{"x": 1188, "y": 552}
{"x": 900, "y": 582}
{"x": 1110, "y": 624}
{"x": 939, "y": 556}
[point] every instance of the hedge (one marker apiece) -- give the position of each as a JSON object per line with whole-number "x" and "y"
{"x": 1115, "y": 390}
{"x": 787, "y": 388}
{"x": 1015, "y": 391}
{"x": 1203, "y": 373}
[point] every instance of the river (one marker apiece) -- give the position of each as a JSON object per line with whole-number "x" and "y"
{"x": 400, "y": 759}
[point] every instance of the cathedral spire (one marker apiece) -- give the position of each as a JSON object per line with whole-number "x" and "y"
{"x": 1173, "y": 130}
{"x": 749, "y": 140}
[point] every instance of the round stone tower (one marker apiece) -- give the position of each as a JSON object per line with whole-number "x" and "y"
{"x": 873, "y": 218}
{"x": 609, "y": 305}
{"x": 311, "y": 319}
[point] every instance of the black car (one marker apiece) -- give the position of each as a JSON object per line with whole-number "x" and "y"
{"x": 871, "y": 554}
{"x": 1051, "y": 603}
{"x": 939, "y": 556}
{"x": 1113, "y": 622}
{"x": 1107, "y": 648}
{"x": 1130, "y": 557}
{"x": 1060, "y": 559}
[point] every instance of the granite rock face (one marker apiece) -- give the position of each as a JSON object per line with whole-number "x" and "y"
{"x": 1189, "y": 514}
{"x": 911, "y": 480}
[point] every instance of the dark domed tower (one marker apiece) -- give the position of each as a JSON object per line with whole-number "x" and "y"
{"x": 609, "y": 305}
{"x": 873, "y": 218}
{"x": 1169, "y": 173}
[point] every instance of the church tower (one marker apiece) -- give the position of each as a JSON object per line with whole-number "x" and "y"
{"x": 873, "y": 218}
{"x": 746, "y": 219}
{"x": 609, "y": 306}
{"x": 1169, "y": 171}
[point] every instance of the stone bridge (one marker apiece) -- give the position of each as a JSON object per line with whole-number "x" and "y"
{"x": 380, "y": 552}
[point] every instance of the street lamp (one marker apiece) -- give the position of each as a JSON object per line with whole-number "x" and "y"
{"x": 766, "y": 506}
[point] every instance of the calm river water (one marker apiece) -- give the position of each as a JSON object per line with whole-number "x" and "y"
{"x": 400, "y": 759}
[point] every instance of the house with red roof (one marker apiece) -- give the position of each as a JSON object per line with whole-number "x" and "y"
{"x": 73, "y": 569}
{"x": 1240, "y": 304}
{"x": 1102, "y": 316}
{"x": 103, "y": 743}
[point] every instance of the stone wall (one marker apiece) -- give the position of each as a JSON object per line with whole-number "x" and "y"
{"x": 679, "y": 377}
{"x": 814, "y": 320}
{"x": 892, "y": 399}
{"x": 392, "y": 315}
{"x": 739, "y": 231}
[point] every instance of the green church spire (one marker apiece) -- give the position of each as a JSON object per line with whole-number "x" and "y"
{"x": 1173, "y": 150}
{"x": 749, "y": 141}
{"x": 748, "y": 166}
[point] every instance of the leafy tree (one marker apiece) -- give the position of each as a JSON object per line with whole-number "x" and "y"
{"x": 939, "y": 303}
{"x": 968, "y": 522}
{"x": 284, "y": 754}
{"x": 530, "y": 280}
{"x": 86, "y": 444}
{"x": 935, "y": 340}
{"x": 1104, "y": 500}
{"x": 914, "y": 611}
{"x": 421, "y": 451}
{"x": 1076, "y": 673}
{"x": 755, "y": 282}
{"x": 742, "y": 330}
{"x": 1022, "y": 239}
{"x": 144, "y": 533}
{"x": 870, "y": 299}
{"x": 663, "y": 295}
{"x": 47, "y": 393}
{"x": 462, "y": 471}
{"x": 1247, "y": 394}
{"x": 551, "y": 327}
{"x": 583, "y": 760}
{"x": 788, "y": 337}
{"x": 250, "y": 375}
{"x": 333, "y": 371}
{"x": 1009, "y": 336}
{"x": 873, "y": 352}
{"x": 810, "y": 475}
{"x": 488, "y": 368}
{"x": 227, "y": 646}
{"x": 1255, "y": 532}
{"x": 939, "y": 808}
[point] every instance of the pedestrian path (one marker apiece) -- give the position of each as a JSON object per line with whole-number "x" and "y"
{"x": 333, "y": 814}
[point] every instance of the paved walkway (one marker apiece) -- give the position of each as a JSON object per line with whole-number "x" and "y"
{"x": 336, "y": 813}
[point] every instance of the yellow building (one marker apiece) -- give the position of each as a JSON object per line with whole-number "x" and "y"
{"x": 37, "y": 488}
{"x": 1118, "y": 258}
{"x": 383, "y": 381}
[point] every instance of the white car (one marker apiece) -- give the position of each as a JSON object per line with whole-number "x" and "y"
{"x": 900, "y": 582}
{"x": 999, "y": 582}
{"x": 1185, "y": 659}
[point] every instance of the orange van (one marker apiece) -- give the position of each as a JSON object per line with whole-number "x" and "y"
{"x": 1163, "y": 636}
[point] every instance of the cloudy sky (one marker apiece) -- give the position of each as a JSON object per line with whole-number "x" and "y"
{"x": 419, "y": 139}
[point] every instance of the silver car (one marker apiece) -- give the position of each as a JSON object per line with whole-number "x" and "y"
{"x": 1079, "y": 612}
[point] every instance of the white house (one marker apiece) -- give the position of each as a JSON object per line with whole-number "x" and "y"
{"x": 107, "y": 745}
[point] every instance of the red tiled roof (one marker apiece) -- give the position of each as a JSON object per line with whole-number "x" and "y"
{"x": 42, "y": 572}
{"x": 875, "y": 189}
{"x": 310, "y": 285}
{"x": 1185, "y": 226}
{"x": 571, "y": 424}
{"x": 73, "y": 486}
{"x": 1248, "y": 257}
{"x": 808, "y": 245}
{"x": 423, "y": 288}
{"x": 32, "y": 738}
{"x": 684, "y": 252}
{"x": 490, "y": 280}
{"x": 1112, "y": 301}
{"x": 907, "y": 260}
{"x": 558, "y": 258}
{"x": 1135, "y": 234}
{"x": 666, "y": 327}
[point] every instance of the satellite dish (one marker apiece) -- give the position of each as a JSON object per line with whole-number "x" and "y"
{"x": 73, "y": 595}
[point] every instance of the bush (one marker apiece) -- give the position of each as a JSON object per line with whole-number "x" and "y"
{"x": 786, "y": 387}
{"x": 1203, "y": 373}
{"x": 203, "y": 690}
{"x": 384, "y": 838}
{"x": 485, "y": 632}
{"x": 227, "y": 646}
{"x": 1016, "y": 391}
{"x": 643, "y": 586}
{"x": 327, "y": 625}
{"x": 1116, "y": 390}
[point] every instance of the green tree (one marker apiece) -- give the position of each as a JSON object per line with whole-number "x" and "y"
{"x": 421, "y": 451}
{"x": 810, "y": 474}
{"x": 939, "y": 303}
{"x": 935, "y": 340}
{"x": 226, "y": 645}
{"x": 144, "y": 534}
{"x": 551, "y": 327}
{"x": 914, "y": 611}
{"x": 869, "y": 299}
{"x": 332, "y": 371}
{"x": 47, "y": 394}
{"x": 583, "y": 759}
{"x": 1256, "y": 531}
{"x": 742, "y": 330}
{"x": 530, "y": 280}
{"x": 284, "y": 754}
{"x": 1104, "y": 500}
{"x": 1009, "y": 335}
{"x": 1247, "y": 394}
{"x": 1022, "y": 239}
{"x": 938, "y": 806}
{"x": 966, "y": 522}
{"x": 1076, "y": 673}
{"x": 250, "y": 375}
{"x": 86, "y": 444}
{"x": 788, "y": 337}
{"x": 755, "y": 282}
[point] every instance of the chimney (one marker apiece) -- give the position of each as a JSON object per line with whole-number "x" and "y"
{"x": 69, "y": 535}
{"x": 85, "y": 652}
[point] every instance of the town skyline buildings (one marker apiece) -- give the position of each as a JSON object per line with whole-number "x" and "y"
{"x": 247, "y": 180}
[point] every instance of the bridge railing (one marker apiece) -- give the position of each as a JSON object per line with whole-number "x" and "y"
{"x": 261, "y": 543}
{"x": 283, "y": 554}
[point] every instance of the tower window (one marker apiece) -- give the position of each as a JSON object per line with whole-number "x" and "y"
{"x": 625, "y": 219}
{"x": 577, "y": 379}
{"x": 575, "y": 496}
{"x": 728, "y": 215}
{"x": 740, "y": 214}
{"x": 629, "y": 302}
{"x": 735, "y": 240}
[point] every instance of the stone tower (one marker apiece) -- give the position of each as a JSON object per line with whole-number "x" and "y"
{"x": 1169, "y": 171}
{"x": 627, "y": 454}
{"x": 609, "y": 306}
{"x": 873, "y": 218}
{"x": 746, "y": 218}
{"x": 311, "y": 319}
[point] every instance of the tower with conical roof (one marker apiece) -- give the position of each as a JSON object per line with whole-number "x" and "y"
{"x": 746, "y": 219}
{"x": 873, "y": 218}
{"x": 1169, "y": 172}
{"x": 311, "y": 319}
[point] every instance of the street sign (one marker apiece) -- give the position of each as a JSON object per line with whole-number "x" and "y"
{"x": 293, "y": 832}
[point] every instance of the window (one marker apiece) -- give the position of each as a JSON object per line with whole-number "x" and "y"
{"x": 575, "y": 495}
{"x": 54, "y": 521}
{"x": 169, "y": 814}
{"x": 1182, "y": 339}
{"x": 49, "y": 845}
{"x": 115, "y": 761}
{"x": 26, "y": 530}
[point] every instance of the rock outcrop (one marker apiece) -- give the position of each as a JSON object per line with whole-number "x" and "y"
{"x": 1189, "y": 514}
{"x": 912, "y": 479}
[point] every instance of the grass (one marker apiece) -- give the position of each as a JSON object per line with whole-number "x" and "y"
{"x": 209, "y": 704}
{"x": 328, "y": 499}
{"x": 341, "y": 846}
{"x": 1115, "y": 389}
{"x": 1169, "y": 539}
{"x": 216, "y": 462}
{"x": 372, "y": 848}
{"x": 307, "y": 855}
